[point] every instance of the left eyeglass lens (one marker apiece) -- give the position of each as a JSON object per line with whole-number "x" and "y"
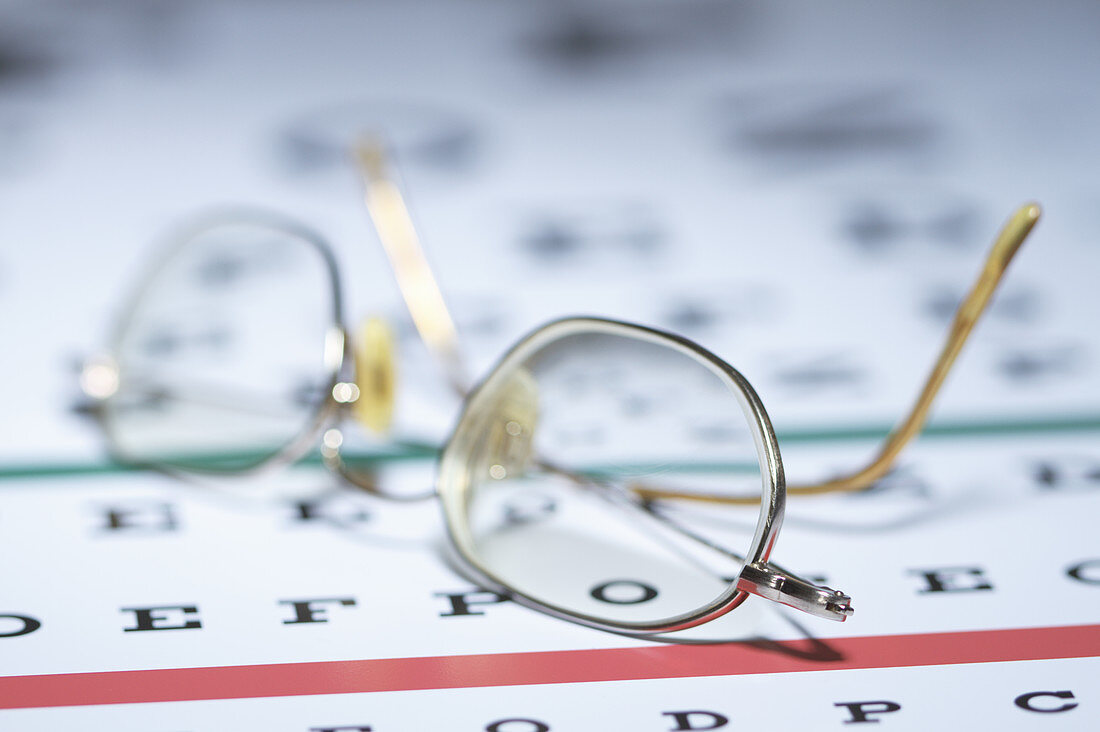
{"x": 221, "y": 355}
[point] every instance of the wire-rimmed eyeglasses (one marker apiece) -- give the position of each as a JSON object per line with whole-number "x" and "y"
{"x": 539, "y": 506}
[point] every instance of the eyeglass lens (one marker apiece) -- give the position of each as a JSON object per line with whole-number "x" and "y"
{"x": 558, "y": 440}
{"x": 220, "y": 358}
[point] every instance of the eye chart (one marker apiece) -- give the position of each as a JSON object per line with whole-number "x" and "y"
{"x": 806, "y": 191}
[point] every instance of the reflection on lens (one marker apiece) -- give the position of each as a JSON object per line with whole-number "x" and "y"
{"x": 538, "y": 481}
{"x": 221, "y": 355}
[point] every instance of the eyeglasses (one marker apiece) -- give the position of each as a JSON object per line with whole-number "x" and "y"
{"x": 557, "y": 480}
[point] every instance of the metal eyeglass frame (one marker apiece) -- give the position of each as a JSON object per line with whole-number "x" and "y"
{"x": 422, "y": 296}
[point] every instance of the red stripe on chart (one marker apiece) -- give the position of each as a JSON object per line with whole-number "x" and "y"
{"x": 658, "y": 661}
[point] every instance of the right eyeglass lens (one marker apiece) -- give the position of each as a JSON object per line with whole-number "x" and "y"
{"x": 221, "y": 356}
{"x": 552, "y": 449}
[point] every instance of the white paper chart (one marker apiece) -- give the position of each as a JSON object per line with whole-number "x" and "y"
{"x": 805, "y": 190}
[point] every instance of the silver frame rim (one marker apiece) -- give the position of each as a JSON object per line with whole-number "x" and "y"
{"x": 177, "y": 241}
{"x": 772, "y": 506}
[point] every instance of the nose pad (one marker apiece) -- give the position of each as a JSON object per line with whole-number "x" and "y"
{"x": 509, "y": 427}
{"x": 375, "y": 375}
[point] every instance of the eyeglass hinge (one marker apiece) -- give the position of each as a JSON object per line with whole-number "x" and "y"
{"x": 771, "y": 583}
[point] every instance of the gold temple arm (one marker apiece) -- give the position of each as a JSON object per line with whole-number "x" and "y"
{"x": 410, "y": 267}
{"x": 1012, "y": 235}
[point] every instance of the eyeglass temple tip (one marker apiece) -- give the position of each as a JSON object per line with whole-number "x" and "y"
{"x": 369, "y": 151}
{"x": 1013, "y": 234}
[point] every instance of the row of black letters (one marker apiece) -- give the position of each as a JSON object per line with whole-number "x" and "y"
{"x": 853, "y": 712}
{"x": 936, "y": 580}
{"x": 153, "y": 517}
